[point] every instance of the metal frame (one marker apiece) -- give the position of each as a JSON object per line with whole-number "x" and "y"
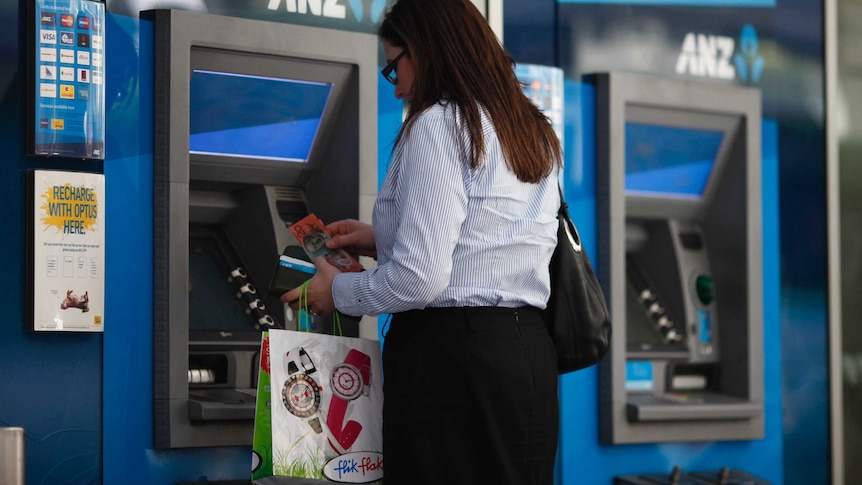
{"x": 175, "y": 33}
{"x": 616, "y": 93}
{"x": 833, "y": 235}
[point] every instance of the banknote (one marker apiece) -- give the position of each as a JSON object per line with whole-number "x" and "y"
{"x": 312, "y": 236}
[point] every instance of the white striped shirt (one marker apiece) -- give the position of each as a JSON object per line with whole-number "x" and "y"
{"x": 448, "y": 235}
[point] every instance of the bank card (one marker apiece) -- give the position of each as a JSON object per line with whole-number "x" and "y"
{"x": 297, "y": 264}
{"x": 290, "y": 273}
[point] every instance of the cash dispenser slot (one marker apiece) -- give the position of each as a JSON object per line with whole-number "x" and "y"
{"x": 212, "y": 379}
{"x": 686, "y": 393}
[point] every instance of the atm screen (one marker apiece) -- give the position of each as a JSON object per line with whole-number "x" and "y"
{"x": 269, "y": 118}
{"x": 669, "y": 161}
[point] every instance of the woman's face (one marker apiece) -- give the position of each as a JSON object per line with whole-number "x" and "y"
{"x": 405, "y": 70}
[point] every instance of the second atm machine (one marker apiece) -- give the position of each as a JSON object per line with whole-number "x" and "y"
{"x": 257, "y": 124}
{"x": 680, "y": 259}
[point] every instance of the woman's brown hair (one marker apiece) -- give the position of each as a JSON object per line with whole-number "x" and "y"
{"x": 459, "y": 60}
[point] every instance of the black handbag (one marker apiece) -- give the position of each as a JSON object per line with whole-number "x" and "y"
{"x": 577, "y": 316}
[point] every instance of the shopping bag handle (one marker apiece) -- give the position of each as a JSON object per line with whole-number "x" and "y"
{"x": 303, "y": 307}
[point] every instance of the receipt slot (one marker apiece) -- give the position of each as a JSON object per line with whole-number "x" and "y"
{"x": 679, "y": 224}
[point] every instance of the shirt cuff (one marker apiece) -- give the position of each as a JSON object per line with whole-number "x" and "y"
{"x": 343, "y": 295}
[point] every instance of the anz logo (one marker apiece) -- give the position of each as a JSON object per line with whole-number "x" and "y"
{"x": 716, "y": 56}
{"x": 336, "y": 9}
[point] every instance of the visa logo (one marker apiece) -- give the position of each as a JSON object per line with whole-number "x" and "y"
{"x": 48, "y": 36}
{"x": 67, "y": 20}
{"x": 48, "y": 19}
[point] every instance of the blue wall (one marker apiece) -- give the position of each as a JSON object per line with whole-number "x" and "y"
{"x": 51, "y": 383}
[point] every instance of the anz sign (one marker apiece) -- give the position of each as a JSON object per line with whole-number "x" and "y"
{"x": 720, "y": 57}
{"x": 335, "y": 9}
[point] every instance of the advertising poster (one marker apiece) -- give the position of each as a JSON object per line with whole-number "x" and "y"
{"x": 68, "y": 83}
{"x": 68, "y": 251}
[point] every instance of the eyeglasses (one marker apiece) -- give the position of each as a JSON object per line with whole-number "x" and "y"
{"x": 390, "y": 72}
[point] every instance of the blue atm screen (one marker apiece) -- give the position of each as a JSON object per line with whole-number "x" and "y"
{"x": 669, "y": 161}
{"x": 237, "y": 115}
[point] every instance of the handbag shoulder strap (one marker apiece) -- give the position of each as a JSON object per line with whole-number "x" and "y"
{"x": 567, "y": 224}
{"x": 564, "y": 208}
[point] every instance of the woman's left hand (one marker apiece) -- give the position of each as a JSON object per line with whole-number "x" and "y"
{"x": 319, "y": 294}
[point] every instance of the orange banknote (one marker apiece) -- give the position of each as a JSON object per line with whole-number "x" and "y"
{"x": 311, "y": 233}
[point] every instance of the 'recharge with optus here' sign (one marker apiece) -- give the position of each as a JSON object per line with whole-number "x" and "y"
{"x": 66, "y": 258}
{"x": 71, "y": 209}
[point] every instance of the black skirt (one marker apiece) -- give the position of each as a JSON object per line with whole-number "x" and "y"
{"x": 470, "y": 397}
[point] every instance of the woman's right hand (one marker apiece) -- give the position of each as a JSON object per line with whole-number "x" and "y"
{"x": 357, "y": 238}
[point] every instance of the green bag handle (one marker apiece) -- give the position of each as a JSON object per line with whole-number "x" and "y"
{"x": 303, "y": 307}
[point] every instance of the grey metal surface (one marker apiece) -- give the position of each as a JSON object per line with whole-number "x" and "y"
{"x": 12, "y": 456}
{"x": 837, "y": 74}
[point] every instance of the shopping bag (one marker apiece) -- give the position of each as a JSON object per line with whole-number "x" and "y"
{"x": 320, "y": 408}
{"x": 261, "y": 455}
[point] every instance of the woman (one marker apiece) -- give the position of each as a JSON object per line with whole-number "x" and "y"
{"x": 463, "y": 230}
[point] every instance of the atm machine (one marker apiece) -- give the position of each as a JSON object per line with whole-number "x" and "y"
{"x": 680, "y": 259}
{"x": 257, "y": 124}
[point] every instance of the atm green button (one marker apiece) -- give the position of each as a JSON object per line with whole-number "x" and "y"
{"x": 705, "y": 287}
